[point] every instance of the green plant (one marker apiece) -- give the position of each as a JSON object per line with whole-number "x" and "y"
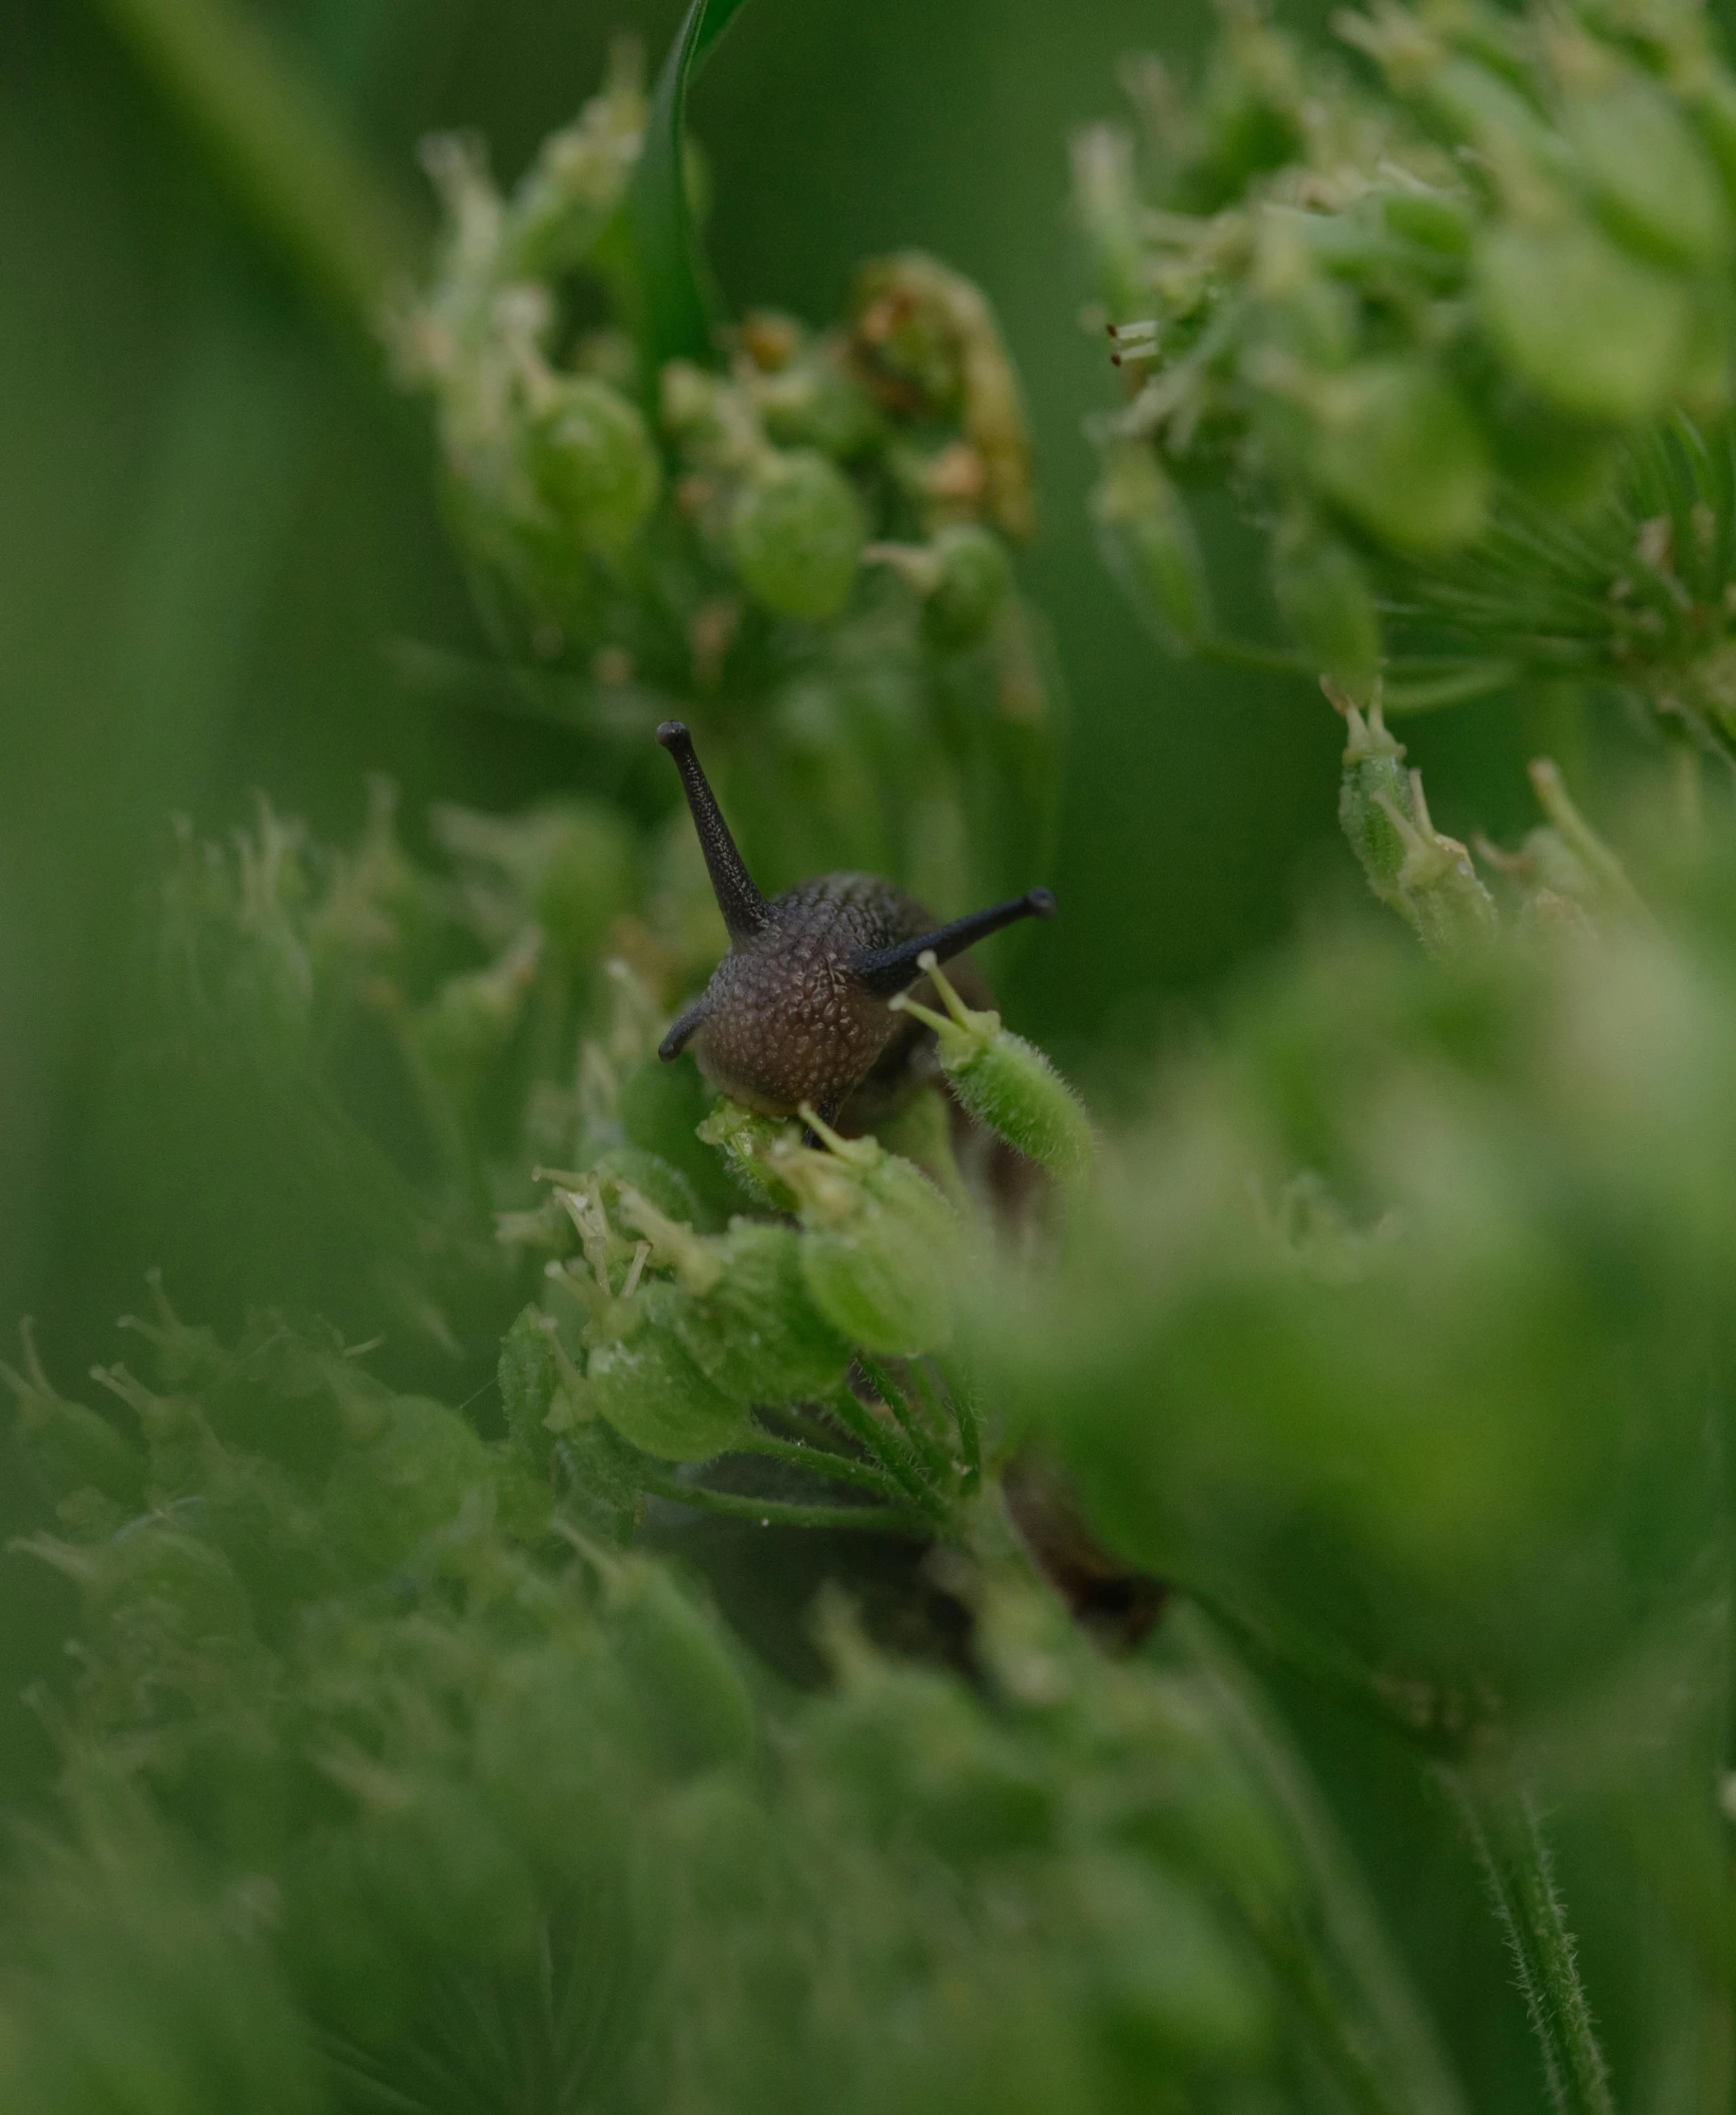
{"x": 860, "y": 1605}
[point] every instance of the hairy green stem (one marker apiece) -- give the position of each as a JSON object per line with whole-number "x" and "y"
{"x": 283, "y": 153}
{"x": 938, "y": 1467}
{"x": 1508, "y": 1838}
{"x": 773, "y": 1512}
{"x": 884, "y": 1446}
{"x": 819, "y": 1462}
{"x": 1341, "y": 1967}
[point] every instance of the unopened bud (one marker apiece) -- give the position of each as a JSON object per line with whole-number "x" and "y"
{"x": 1146, "y": 536}
{"x": 1452, "y": 912}
{"x": 1323, "y": 593}
{"x": 1005, "y": 1082}
{"x": 878, "y": 1242}
{"x": 1374, "y": 777}
{"x": 1595, "y": 331}
{"x": 1653, "y": 180}
{"x": 1397, "y": 446}
{"x": 592, "y": 462}
{"x": 795, "y": 534}
{"x": 648, "y": 1388}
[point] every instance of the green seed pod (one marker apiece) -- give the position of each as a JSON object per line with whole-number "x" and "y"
{"x": 652, "y": 1176}
{"x": 1374, "y": 777}
{"x": 530, "y": 1380}
{"x": 389, "y": 1495}
{"x": 971, "y": 579}
{"x": 1433, "y": 218}
{"x": 470, "y": 1019}
{"x": 171, "y": 1588}
{"x": 880, "y": 1244}
{"x": 69, "y": 1448}
{"x": 1146, "y": 536}
{"x": 648, "y": 1388}
{"x": 1323, "y": 590}
{"x": 686, "y": 1680}
{"x": 755, "y": 1333}
{"x": 916, "y": 1756}
{"x": 1452, "y": 910}
{"x": 1656, "y": 185}
{"x": 1396, "y": 447}
{"x": 1007, "y": 1083}
{"x": 592, "y": 462}
{"x": 795, "y": 534}
{"x": 1595, "y": 331}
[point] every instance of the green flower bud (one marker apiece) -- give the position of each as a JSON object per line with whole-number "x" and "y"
{"x": 567, "y": 865}
{"x": 686, "y": 1680}
{"x": 530, "y": 1380}
{"x": 1433, "y": 218}
{"x": 816, "y": 402}
{"x": 1396, "y": 447}
{"x": 749, "y": 1145}
{"x": 648, "y": 1388}
{"x": 470, "y": 1020}
{"x": 1653, "y": 181}
{"x": 592, "y": 462}
{"x": 391, "y": 1493}
{"x": 651, "y": 1175}
{"x": 755, "y": 1333}
{"x": 879, "y": 1241}
{"x": 1323, "y": 593}
{"x": 1450, "y": 907}
{"x": 69, "y": 1448}
{"x": 745, "y": 1317}
{"x": 916, "y": 1754}
{"x": 1146, "y": 536}
{"x": 795, "y": 534}
{"x": 971, "y": 577}
{"x": 1592, "y": 329}
{"x": 171, "y": 1588}
{"x": 1006, "y": 1082}
{"x": 962, "y": 577}
{"x": 1374, "y": 777}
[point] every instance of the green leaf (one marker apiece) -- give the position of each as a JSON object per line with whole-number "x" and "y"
{"x": 678, "y": 309}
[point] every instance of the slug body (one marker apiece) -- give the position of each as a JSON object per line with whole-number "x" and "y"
{"x": 797, "y": 1011}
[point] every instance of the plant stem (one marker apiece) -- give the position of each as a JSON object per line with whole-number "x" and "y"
{"x": 771, "y": 1512}
{"x": 885, "y": 1448}
{"x": 286, "y": 157}
{"x": 1509, "y": 1840}
{"x": 821, "y": 1461}
{"x": 964, "y": 1407}
{"x": 939, "y": 1468}
{"x": 1381, "y": 2042}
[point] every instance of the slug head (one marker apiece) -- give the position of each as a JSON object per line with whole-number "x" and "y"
{"x": 797, "y": 1010}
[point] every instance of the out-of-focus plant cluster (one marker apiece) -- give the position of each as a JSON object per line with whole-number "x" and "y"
{"x": 1450, "y": 313}
{"x": 805, "y": 546}
{"x": 387, "y": 1784}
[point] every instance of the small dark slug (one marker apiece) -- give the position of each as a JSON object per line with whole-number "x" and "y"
{"x": 797, "y": 1011}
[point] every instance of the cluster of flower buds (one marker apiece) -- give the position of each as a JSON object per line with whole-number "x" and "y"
{"x": 782, "y": 542}
{"x": 1406, "y": 301}
{"x": 1568, "y": 880}
{"x": 804, "y": 1337}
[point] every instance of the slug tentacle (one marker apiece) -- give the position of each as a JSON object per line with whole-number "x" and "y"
{"x": 682, "y": 1028}
{"x": 739, "y": 899}
{"x": 887, "y": 970}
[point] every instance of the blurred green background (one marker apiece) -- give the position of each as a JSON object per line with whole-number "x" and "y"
{"x": 215, "y": 515}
